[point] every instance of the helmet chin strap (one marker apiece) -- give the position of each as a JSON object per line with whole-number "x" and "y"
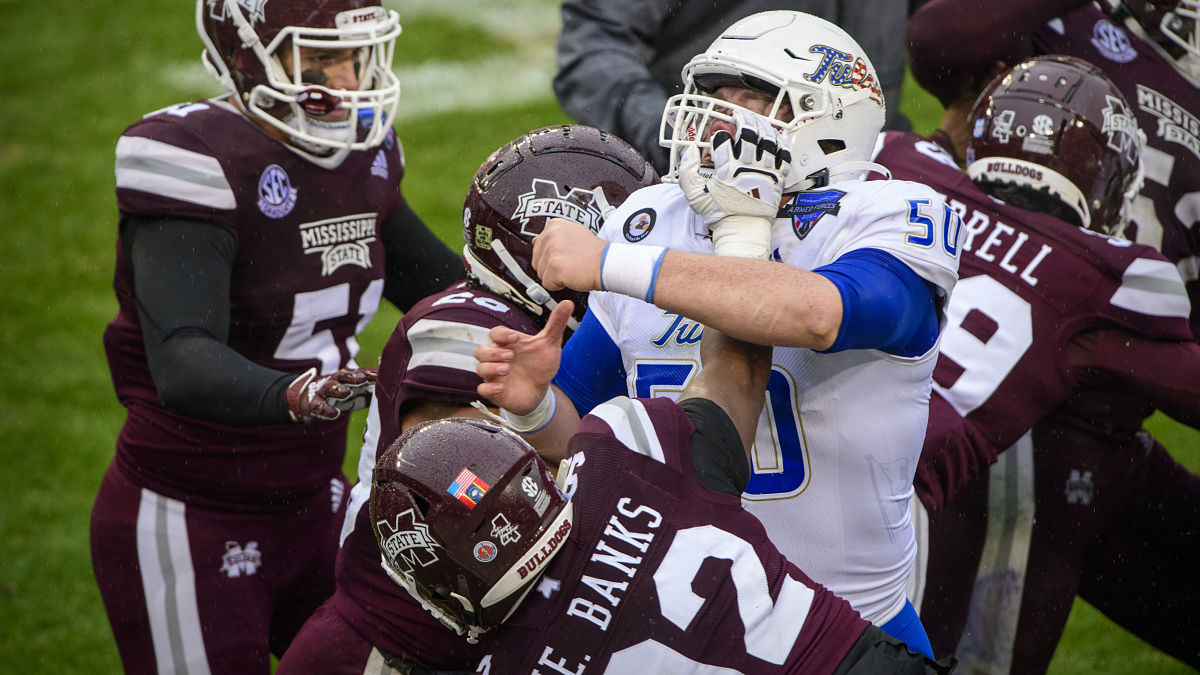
{"x": 825, "y": 176}
{"x": 535, "y": 296}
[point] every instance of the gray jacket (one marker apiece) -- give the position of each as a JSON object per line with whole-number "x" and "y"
{"x": 619, "y": 60}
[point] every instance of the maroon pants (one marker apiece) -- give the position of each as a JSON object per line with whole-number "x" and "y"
{"x": 204, "y": 590}
{"x": 1065, "y": 515}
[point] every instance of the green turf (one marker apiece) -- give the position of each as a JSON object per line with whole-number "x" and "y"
{"x": 77, "y": 77}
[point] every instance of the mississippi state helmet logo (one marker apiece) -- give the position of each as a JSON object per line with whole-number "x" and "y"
{"x": 545, "y": 201}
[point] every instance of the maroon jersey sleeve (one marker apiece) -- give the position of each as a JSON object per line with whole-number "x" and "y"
{"x": 663, "y": 575}
{"x": 1163, "y": 375}
{"x": 430, "y": 354}
{"x": 1029, "y": 286}
{"x": 953, "y": 42}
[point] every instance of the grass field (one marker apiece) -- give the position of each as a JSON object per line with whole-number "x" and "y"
{"x": 474, "y": 74}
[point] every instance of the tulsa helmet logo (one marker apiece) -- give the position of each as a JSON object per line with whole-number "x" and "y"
{"x": 545, "y": 201}
{"x": 254, "y": 10}
{"x": 407, "y": 543}
{"x": 844, "y": 70}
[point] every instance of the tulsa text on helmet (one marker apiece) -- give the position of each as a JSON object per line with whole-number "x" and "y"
{"x": 608, "y": 574}
{"x": 998, "y": 243}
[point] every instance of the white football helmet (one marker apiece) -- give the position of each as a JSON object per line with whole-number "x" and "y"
{"x": 805, "y": 61}
{"x": 247, "y": 43}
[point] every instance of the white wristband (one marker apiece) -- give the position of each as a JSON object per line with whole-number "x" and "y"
{"x": 742, "y": 236}
{"x": 631, "y": 270}
{"x": 535, "y": 419}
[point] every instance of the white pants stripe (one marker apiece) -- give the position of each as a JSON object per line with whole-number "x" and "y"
{"x": 169, "y": 583}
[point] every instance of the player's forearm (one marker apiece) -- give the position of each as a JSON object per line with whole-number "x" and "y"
{"x": 551, "y": 440}
{"x": 754, "y": 300}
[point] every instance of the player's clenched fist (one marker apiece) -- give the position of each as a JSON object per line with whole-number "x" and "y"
{"x": 566, "y": 255}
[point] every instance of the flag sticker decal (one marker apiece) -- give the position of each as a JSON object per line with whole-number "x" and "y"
{"x": 468, "y": 488}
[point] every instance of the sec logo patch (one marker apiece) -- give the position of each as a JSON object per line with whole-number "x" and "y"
{"x": 638, "y": 225}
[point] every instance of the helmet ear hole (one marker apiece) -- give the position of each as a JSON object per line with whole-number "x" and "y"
{"x": 421, "y": 503}
{"x": 831, "y": 145}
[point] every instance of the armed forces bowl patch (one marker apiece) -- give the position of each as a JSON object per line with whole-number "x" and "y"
{"x": 806, "y": 208}
{"x": 638, "y": 225}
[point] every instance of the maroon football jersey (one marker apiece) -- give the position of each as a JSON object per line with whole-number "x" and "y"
{"x": 307, "y": 277}
{"x": 429, "y": 357}
{"x": 1028, "y": 286}
{"x": 1167, "y": 212}
{"x": 661, "y": 574}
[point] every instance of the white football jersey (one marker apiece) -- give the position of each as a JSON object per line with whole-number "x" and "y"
{"x": 839, "y": 437}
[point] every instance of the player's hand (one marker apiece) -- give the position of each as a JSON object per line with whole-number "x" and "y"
{"x": 740, "y": 199}
{"x": 312, "y": 397}
{"x": 567, "y": 255}
{"x": 517, "y": 367}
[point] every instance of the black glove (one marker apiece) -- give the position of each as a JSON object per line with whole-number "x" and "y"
{"x": 311, "y": 397}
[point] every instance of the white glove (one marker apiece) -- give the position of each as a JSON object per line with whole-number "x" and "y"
{"x": 739, "y": 201}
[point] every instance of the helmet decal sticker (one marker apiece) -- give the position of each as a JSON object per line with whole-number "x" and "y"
{"x": 540, "y": 498}
{"x": 1043, "y": 125}
{"x": 638, "y": 225}
{"x": 1121, "y": 127}
{"x": 843, "y": 69}
{"x": 485, "y": 551}
{"x": 505, "y": 531}
{"x": 276, "y": 196}
{"x": 468, "y": 488}
{"x": 806, "y": 208}
{"x": 539, "y": 557}
{"x": 545, "y": 201}
{"x": 1002, "y": 126}
{"x": 254, "y": 10}
{"x": 406, "y": 542}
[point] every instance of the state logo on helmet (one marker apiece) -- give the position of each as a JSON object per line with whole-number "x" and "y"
{"x": 251, "y": 45}
{"x": 812, "y": 68}
{"x": 1056, "y": 125}
{"x": 567, "y": 171}
{"x": 467, "y": 517}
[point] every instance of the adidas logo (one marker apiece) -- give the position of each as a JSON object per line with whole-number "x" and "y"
{"x": 380, "y": 166}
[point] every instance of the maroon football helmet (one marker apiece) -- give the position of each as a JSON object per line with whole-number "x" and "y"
{"x": 250, "y": 46}
{"x": 467, "y": 516}
{"x": 568, "y": 171}
{"x": 1057, "y": 125}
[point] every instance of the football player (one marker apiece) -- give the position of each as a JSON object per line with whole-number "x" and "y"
{"x": 652, "y": 566}
{"x": 1062, "y": 339}
{"x": 619, "y": 60}
{"x": 259, "y": 231}
{"x": 769, "y": 145}
{"x": 427, "y": 372}
{"x": 1151, "y": 50}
